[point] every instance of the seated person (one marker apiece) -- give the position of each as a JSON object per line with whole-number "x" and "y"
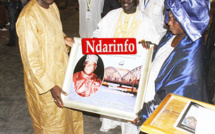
{"x": 86, "y": 83}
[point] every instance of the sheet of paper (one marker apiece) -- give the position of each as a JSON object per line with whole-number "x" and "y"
{"x": 206, "y": 121}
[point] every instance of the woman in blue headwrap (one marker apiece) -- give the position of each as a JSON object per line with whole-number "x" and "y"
{"x": 178, "y": 62}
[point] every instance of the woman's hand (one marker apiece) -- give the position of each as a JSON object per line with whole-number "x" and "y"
{"x": 146, "y": 44}
{"x": 136, "y": 121}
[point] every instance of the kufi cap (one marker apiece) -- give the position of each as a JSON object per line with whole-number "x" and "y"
{"x": 93, "y": 58}
{"x": 192, "y": 15}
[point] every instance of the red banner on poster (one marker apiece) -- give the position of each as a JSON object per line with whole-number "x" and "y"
{"x": 109, "y": 46}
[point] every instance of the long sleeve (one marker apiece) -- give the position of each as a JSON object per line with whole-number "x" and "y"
{"x": 148, "y": 108}
{"x": 30, "y": 49}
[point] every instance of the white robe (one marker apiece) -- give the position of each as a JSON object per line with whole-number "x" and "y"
{"x": 146, "y": 31}
{"x": 155, "y": 9}
{"x": 106, "y": 29}
{"x": 87, "y": 26}
{"x": 156, "y": 65}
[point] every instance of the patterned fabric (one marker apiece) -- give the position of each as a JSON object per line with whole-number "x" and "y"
{"x": 127, "y": 25}
{"x": 93, "y": 58}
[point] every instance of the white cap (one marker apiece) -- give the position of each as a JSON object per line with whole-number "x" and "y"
{"x": 93, "y": 58}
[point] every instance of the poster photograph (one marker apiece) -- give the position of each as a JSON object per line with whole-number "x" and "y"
{"x": 111, "y": 85}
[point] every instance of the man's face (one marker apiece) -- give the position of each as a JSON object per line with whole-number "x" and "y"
{"x": 89, "y": 67}
{"x": 174, "y": 26}
{"x": 45, "y": 3}
{"x": 129, "y": 6}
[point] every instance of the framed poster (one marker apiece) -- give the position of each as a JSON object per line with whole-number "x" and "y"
{"x": 117, "y": 83}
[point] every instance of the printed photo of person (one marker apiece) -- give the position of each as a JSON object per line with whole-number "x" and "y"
{"x": 88, "y": 75}
{"x": 190, "y": 121}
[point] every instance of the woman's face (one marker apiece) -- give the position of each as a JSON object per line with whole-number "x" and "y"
{"x": 174, "y": 26}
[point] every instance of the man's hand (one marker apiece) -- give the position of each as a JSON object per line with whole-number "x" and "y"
{"x": 56, "y": 94}
{"x": 69, "y": 41}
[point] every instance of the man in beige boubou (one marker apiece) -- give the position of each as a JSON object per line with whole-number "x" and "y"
{"x": 45, "y": 56}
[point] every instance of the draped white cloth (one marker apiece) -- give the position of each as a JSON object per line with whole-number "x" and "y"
{"x": 156, "y": 65}
{"x": 87, "y": 26}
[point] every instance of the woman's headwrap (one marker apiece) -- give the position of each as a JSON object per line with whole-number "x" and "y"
{"x": 192, "y": 15}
